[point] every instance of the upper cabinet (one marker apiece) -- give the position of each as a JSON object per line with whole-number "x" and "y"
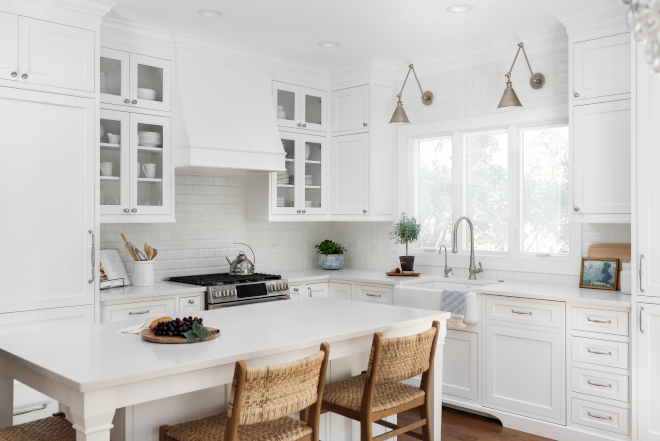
{"x": 299, "y": 107}
{"x": 350, "y": 174}
{"x": 42, "y": 53}
{"x": 350, "y": 109}
{"x": 135, "y": 80}
{"x": 601, "y": 67}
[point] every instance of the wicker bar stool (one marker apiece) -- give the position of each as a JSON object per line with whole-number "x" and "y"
{"x": 55, "y": 428}
{"x": 261, "y": 398}
{"x": 378, "y": 393}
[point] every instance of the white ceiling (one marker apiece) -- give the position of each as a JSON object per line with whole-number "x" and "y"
{"x": 391, "y": 30}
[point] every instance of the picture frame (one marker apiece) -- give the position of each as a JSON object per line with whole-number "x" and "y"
{"x": 599, "y": 273}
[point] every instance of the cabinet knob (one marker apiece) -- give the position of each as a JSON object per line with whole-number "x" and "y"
{"x": 24, "y": 76}
{"x": 127, "y": 101}
{"x": 299, "y": 124}
{"x": 299, "y": 211}
{"x": 304, "y": 125}
{"x": 134, "y": 101}
{"x": 126, "y": 210}
{"x": 576, "y": 95}
{"x": 364, "y": 211}
{"x": 364, "y": 124}
{"x": 14, "y": 74}
{"x": 191, "y": 301}
{"x": 134, "y": 210}
{"x": 576, "y": 209}
{"x": 304, "y": 211}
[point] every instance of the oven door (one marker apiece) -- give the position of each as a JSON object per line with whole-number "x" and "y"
{"x": 242, "y": 302}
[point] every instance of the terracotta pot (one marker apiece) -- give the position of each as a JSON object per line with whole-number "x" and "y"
{"x": 407, "y": 262}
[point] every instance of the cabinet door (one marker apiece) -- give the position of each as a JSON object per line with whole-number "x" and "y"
{"x": 190, "y": 306}
{"x": 285, "y": 189}
{"x": 150, "y": 165}
{"x": 350, "y": 109}
{"x": 52, "y": 54}
{"x": 115, "y": 71}
{"x": 49, "y": 164}
{"x": 313, "y": 151}
{"x": 601, "y": 158}
{"x": 525, "y": 372}
{"x": 460, "y": 365}
{"x": 350, "y": 174}
{"x": 342, "y": 291}
{"x": 601, "y": 67}
{"x": 648, "y": 362}
{"x": 8, "y": 46}
{"x": 316, "y": 290}
{"x": 151, "y": 83}
{"x": 296, "y": 292}
{"x": 313, "y": 105}
{"x": 287, "y": 104}
{"x": 373, "y": 294}
{"x": 141, "y": 310}
{"x": 115, "y": 162}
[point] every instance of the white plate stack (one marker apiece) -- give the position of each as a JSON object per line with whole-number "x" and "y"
{"x": 150, "y": 139}
{"x": 308, "y": 150}
{"x": 309, "y": 180}
{"x": 281, "y": 201}
{"x": 147, "y": 94}
{"x": 283, "y": 177}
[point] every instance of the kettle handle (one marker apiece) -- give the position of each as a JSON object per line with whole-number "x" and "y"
{"x": 254, "y": 258}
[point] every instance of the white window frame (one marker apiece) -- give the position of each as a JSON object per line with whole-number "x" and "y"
{"x": 514, "y": 122}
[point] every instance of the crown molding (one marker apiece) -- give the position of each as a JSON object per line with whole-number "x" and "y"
{"x": 135, "y": 35}
{"x": 585, "y": 18}
{"x": 79, "y": 10}
{"x": 366, "y": 70}
{"x": 301, "y": 71}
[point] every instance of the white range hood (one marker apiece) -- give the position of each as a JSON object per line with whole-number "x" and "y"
{"x": 224, "y": 113}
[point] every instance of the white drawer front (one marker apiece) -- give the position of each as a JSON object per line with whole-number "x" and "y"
{"x": 600, "y": 416}
{"x": 373, "y": 294}
{"x": 598, "y": 320}
{"x": 599, "y": 384}
{"x": 190, "y": 305}
{"x": 128, "y": 311}
{"x": 601, "y": 352}
{"x": 529, "y": 312}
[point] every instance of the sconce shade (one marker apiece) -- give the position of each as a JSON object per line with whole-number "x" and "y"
{"x": 509, "y": 98}
{"x": 399, "y": 115}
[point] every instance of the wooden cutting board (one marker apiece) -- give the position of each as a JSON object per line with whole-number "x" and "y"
{"x": 621, "y": 251}
{"x": 148, "y": 335}
{"x": 403, "y": 274}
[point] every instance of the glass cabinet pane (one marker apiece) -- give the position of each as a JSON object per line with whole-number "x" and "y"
{"x": 111, "y": 162}
{"x": 111, "y": 76}
{"x": 313, "y": 174}
{"x": 286, "y": 105}
{"x": 286, "y": 194}
{"x": 150, "y": 165}
{"x": 150, "y": 83}
{"x": 313, "y": 109}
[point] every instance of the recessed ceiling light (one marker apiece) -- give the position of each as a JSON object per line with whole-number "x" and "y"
{"x": 210, "y": 13}
{"x": 329, "y": 44}
{"x": 460, "y": 8}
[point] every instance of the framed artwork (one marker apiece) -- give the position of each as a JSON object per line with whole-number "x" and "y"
{"x": 599, "y": 273}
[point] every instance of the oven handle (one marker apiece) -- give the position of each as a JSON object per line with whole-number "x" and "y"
{"x": 245, "y": 302}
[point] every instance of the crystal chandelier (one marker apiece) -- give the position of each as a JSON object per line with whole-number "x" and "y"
{"x": 644, "y": 23}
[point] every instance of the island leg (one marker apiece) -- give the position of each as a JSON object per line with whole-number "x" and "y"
{"x": 92, "y": 414}
{"x": 7, "y": 401}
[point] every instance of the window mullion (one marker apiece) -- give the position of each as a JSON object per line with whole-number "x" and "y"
{"x": 514, "y": 190}
{"x": 459, "y": 182}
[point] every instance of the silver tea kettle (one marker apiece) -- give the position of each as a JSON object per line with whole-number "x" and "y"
{"x": 241, "y": 266}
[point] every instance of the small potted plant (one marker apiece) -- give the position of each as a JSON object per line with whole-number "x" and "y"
{"x": 330, "y": 255}
{"x": 406, "y": 230}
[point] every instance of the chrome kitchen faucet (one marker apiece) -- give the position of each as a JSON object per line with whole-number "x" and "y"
{"x": 447, "y": 269}
{"x": 473, "y": 267}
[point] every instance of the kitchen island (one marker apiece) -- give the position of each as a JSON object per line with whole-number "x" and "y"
{"x": 93, "y": 370}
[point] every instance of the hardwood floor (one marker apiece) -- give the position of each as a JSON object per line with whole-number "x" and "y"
{"x": 463, "y": 426}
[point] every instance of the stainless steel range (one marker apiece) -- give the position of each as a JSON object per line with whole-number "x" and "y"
{"x": 224, "y": 289}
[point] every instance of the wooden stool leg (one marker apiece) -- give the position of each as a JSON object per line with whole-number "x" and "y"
{"x": 365, "y": 431}
{"x": 427, "y": 429}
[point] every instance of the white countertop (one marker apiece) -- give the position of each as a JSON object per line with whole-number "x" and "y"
{"x": 160, "y": 289}
{"x": 87, "y": 358}
{"x": 350, "y": 275}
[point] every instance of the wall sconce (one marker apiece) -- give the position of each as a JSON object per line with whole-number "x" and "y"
{"x": 400, "y": 114}
{"x": 510, "y": 99}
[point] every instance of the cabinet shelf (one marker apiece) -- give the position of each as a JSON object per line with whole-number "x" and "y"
{"x": 110, "y": 178}
{"x": 150, "y": 180}
{"x": 289, "y": 160}
{"x": 312, "y": 162}
{"x": 105, "y": 145}
{"x": 312, "y": 186}
{"x": 285, "y": 185}
{"x": 151, "y": 149}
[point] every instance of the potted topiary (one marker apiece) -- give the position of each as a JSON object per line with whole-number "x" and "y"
{"x": 330, "y": 255}
{"x": 406, "y": 230}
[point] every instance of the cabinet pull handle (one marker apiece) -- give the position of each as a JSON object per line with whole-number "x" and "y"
{"x": 598, "y": 384}
{"x": 299, "y": 211}
{"x": 24, "y": 76}
{"x": 309, "y": 290}
{"x": 134, "y": 101}
{"x": 641, "y": 311}
{"x": 146, "y": 311}
{"x": 576, "y": 95}
{"x": 521, "y": 312}
{"x": 304, "y": 211}
{"x": 191, "y": 301}
{"x": 304, "y": 125}
{"x": 126, "y": 210}
{"x": 576, "y": 209}
{"x": 364, "y": 124}
{"x": 14, "y": 74}
{"x": 299, "y": 124}
{"x": 598, "y": 352}
{"x": 598, "y": 416}
{"x": 364, "y": 211}
{"x": 93, "y": 255}
{"x": 134, "y": 210}
{"x": 30, "y": 410}
{"x": 295, "y": 289}
{"x": 373, "y": 295}
{"x": 608, "y": 322}
{"x": 641, "y": 256}
{"x": 127, "y": 101}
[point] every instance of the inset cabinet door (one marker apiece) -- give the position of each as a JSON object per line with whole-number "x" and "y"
{"x": 115, "y": 69}
{"x": 342, "y": 291}
{"x": 350, "y": 109}
{"x": 8, "y": 46}
{"x": 350, "y": 174}
{"x": 285, "y": 197}
{"x": 150, "y": 164}
{"x": 313, "y": 109}
{"x": 648, "y": 383}
{"x": 601, "y": 158}
{"x": 316, "y": 290}
{"x": 150, "y": 83}
{"x": 460, "y": 365}
{"x": 115, "y": 162}
{"x": 287, "y": 104}
{"x": 313, "y": 172}
{"x": 52, "y": 54}
{"x": 601, "y": 67}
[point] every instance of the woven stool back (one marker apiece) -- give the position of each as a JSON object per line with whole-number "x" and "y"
{"x": 403, "y": 357}
{"x": 272, "y": 392}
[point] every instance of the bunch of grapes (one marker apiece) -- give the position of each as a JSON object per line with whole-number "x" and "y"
{"x": 176, "y": 327}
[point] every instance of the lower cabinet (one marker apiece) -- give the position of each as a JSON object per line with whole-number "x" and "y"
{"x": 648, "y": 367}
{"x": 342, "y": 291}
{"x": 190, "y": 305}
{"x": 460, "y": 371}
{"x": 184, "y": 305}
{"x": 373, "y": 294}
{"x": 316, "y": 290}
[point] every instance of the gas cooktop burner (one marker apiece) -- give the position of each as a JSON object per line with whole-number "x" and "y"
{"x": 223, "y": 279}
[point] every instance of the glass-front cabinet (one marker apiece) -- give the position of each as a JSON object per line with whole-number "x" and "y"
{"x": 299, "y": 107}
{"x": 301, "y": 189}
{"x": 135, "y": 80}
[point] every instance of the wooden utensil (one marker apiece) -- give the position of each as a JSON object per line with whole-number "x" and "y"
{"x": 131, "y": 248}
{"x": 154, "y": 255}
{"x": 150, "y": 253}
{"x": 135, "y": 251}
{"x": 621, "y": 251}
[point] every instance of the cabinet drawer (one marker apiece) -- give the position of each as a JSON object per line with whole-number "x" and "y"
{"x": 601, "y": 352}
{"x": 529, "y": 312}
{"x": 190, "y": 305}
{"x": 600, "y": 416}
{"x": 127, "y": 311}
{"x": 598, "y": 320}
{"x": 599, "y": 384}
{"x": 373, "y": 294}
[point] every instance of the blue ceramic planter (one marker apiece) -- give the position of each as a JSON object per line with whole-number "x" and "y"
{"x": 331, "y": 261}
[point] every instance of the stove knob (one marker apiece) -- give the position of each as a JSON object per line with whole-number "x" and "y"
{"x": 224, "y": 293}
{"x": 271, "y": 288}
{"x": 216, "y": 294}
{"x": 279, "y": 287}
{"x": 234, "y": 292}
{"x": 285, "y": 286}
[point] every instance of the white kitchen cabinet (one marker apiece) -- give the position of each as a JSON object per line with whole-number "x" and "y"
{"x": 115, "y": 72}
{"x": 525, "y": 372}
{"x": 115, "y": 164}
{"x": 52, "y": 54}
{"x": 601, "y": 67}
{"x": 373, "y": 294}
{"x": 460, "y": 372}
{"x": 601, "y": 172}
{"x": 350, "y": 109}
{"x": 135, "y": 310}
{"x": 299, "y": 107}
{"x": 342, "y": 291}
{"x": 648, "y": 366}
{"x": 316, "y": 290}
{"x": 8, "y": 47}
{"x": 51, "y": 170}
{"x": 350, "y": 174}
{"x": 190, "y": 305}
{"x": 601, "y": 416}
